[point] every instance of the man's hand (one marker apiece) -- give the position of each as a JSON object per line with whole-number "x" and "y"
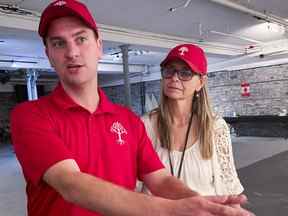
{"x": 234, "y": 201}
{"x": 229, "y": 200}
{"x": 209, "y": 206}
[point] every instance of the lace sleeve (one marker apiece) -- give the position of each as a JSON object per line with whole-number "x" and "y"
{"x": 227, "y": 172}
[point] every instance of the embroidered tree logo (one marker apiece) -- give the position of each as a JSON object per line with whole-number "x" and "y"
{"x": 119, "y": 130}
{"x": 60, "y": 3}
{"x": 182, "y": 50}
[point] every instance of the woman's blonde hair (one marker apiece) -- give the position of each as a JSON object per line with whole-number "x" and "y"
{"x": 201, "y": 109}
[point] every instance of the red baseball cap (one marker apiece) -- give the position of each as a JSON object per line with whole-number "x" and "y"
{"x": 191, "y": 54}
{"x": 62, "y": 8}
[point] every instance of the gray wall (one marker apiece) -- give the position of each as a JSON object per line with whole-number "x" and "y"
{"x": 268, "y": 89}
{"x": 138, "y": 90}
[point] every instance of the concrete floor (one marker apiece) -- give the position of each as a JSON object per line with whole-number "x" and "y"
{"x": 12, "y": 186}
{"x": 263, "y": 170}
{"x": 262, "y": 164}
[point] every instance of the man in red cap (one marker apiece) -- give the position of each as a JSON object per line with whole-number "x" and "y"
{"x": 80, "y": 153}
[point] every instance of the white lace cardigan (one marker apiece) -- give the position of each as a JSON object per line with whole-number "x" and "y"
{"x": 216, "y": 176}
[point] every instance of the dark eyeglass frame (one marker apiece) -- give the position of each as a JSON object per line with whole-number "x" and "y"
{"x": 183, "y": 74}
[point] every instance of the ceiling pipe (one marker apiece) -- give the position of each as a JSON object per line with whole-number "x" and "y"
{"x": 259, "y": 15}
{"x": 186, "y": 4}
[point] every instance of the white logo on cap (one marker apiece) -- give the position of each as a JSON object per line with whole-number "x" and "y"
{"x": 182, "y": 50}
{"x": 60, "y": 3}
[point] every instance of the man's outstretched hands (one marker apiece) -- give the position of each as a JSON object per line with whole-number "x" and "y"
{"x": 228, "y": 200}
{"x": 210, "y": 206}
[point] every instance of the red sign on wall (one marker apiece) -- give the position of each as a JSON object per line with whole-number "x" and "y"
{"x": 245, "y": 89}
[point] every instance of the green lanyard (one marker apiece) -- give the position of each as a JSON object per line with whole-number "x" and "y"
{"x": 183, "y": 153}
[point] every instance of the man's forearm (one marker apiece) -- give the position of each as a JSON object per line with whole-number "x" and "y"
{"x": 172, "y": 188}
{"x": 106, "y": 198}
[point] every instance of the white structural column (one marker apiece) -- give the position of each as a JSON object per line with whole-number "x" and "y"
{"x": 125, "y": 50}
{"x": 31, "y": 78}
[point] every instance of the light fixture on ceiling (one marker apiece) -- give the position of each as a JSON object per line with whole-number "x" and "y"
{"x": 186, "y": 4}
{"x": 15, "y": 9}
{"x": 117, "y": 55}
{"x": 275, "y": 28}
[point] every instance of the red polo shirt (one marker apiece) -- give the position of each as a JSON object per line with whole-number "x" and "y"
{"x": 110, "y": 143}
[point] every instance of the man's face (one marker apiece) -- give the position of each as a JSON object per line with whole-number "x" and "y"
{"x": 73, "y": 51}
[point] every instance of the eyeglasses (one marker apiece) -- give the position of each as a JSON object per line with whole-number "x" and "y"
{"x": 184, "y": 74}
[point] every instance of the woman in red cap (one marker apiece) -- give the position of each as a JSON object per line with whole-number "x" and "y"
{"x": 192, "y": 142}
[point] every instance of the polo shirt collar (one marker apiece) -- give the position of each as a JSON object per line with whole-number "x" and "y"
{"x": 63, "y": 100}
{"x": 105, "y": 105}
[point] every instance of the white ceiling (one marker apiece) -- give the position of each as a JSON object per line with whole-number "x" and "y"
{"x": 233, "y": 38}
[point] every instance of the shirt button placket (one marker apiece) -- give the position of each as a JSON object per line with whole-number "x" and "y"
{"x": 90, "y": 131}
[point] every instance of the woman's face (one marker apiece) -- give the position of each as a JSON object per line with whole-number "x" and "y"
{"x": 179, "y": 82}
